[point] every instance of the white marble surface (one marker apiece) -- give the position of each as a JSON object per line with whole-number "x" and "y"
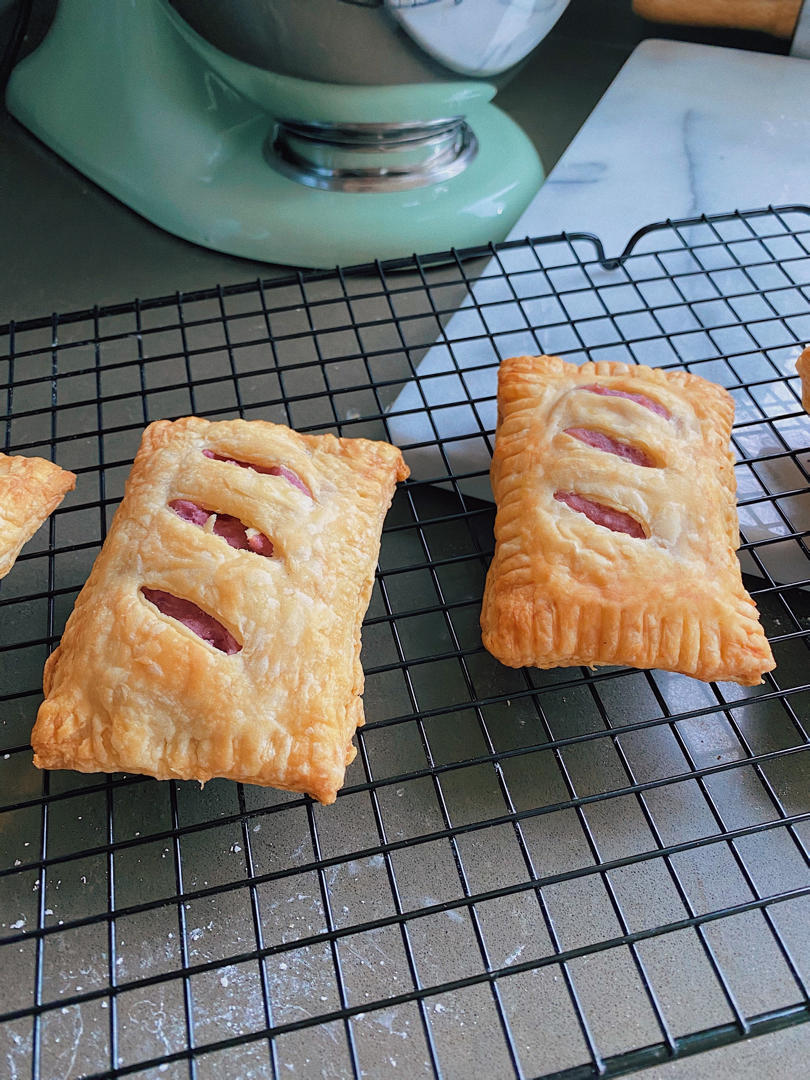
{"x": 800, "y": 46}
{"x": 684, "y": 129}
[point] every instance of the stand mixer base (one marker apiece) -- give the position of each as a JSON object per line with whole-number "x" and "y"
{"x": 169, "y": 125}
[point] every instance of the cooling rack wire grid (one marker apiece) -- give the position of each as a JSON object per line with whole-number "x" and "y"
{"x": 563, "y": 874}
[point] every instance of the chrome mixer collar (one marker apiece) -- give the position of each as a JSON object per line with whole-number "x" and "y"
{"x": 371, "y": 157}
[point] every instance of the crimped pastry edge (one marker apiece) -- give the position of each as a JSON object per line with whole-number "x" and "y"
{"x": 63, "y": 735}
{"x": 526, "y": 624}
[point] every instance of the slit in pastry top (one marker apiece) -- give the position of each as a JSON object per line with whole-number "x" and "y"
{"x": 600, "y": 441}
{"x": 231, "y": 529}
{"x": 266, "y": 470}
{"x": 600, "y": 514}
{"x": 640, "y": 399}
{"x": 202, "y": 624}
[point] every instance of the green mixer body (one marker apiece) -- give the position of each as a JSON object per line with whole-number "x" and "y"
{"x": 177, "y": 130}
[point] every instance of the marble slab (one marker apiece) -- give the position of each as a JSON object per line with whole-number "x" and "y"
{"x": 800, "y": 46}
{"x": 684, "y": 129}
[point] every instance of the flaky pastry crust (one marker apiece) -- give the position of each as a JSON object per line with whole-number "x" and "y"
{"x": 563, "y": 589}
{"x": 803, "y": 368}
{"x": 131, "y": 689}
{"x": 30, "y": 490}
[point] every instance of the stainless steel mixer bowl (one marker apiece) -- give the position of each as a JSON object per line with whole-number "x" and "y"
{"x": 376, "y": 42}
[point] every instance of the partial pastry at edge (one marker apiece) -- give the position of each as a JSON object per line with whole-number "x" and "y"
{"x": 616, "y": 528}
{"x": 31, "y": 488}
{"x": 219, "y": 631}
{"x": 803, "y": 368}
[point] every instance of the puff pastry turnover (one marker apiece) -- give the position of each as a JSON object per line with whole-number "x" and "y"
{"x": 616, "y": 528}
{"x": 30, "y": 490}
{"x": 219, "y": 631}
{"x": 803, "y": 368}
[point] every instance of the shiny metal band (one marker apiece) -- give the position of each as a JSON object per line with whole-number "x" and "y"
{"x": 371, "y": 157}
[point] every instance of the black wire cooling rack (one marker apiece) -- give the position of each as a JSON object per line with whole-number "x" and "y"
{"x": 558, "y": 874}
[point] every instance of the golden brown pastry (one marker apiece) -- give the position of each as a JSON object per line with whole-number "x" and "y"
{"x": 776, "y": 17}
{"x": 803, "y": 368}
{"x": 30, "y": 490}
{"x": 616, "y": 525}
{"x": 219, "y": 631}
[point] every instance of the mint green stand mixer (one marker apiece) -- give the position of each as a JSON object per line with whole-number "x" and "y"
{"x": 310, "y": 132}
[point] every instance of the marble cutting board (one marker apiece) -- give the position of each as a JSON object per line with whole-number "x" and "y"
{"x": 684, "y": 129}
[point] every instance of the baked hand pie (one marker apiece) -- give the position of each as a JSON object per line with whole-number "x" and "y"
{"x": 219, "y": 631}
{"x": 31, "y": 488}
{"x": 616, "y": 528}
{"x": 803, "y": 368}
